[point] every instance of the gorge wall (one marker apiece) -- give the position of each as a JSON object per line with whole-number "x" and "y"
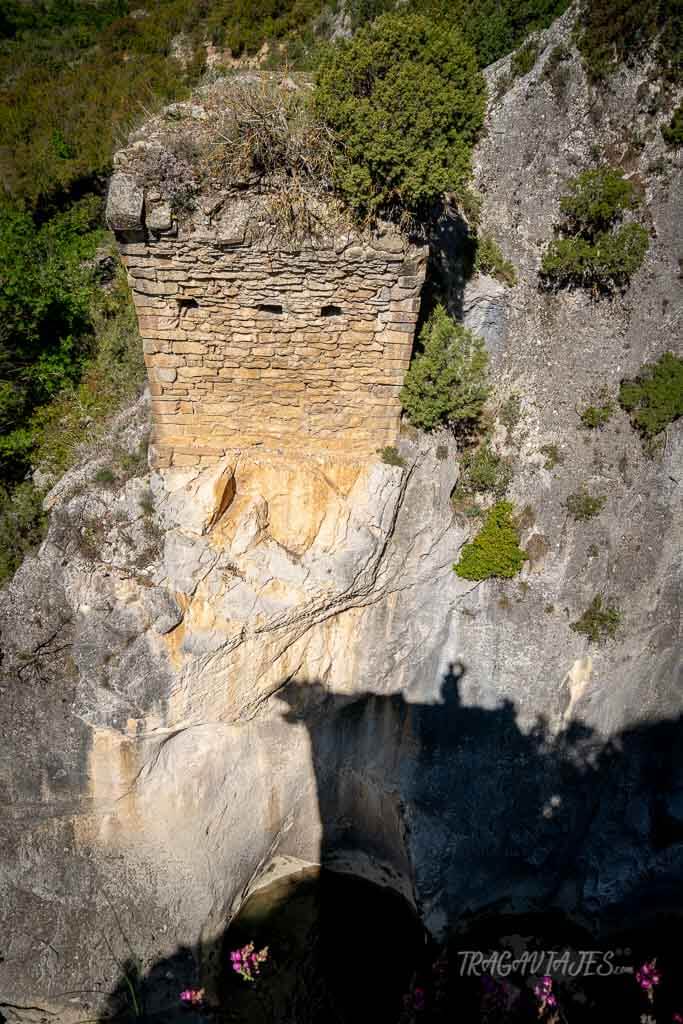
{"x": 268, "y": 660}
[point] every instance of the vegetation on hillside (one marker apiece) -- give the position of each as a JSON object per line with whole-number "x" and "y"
{"x": 405, "y": 100}
{"x": 655, "y": 398}
{"x": 614, "y": 32}
{"x": 446, "y": 383}
{"x": 593, "y": 248}
{"x": 495, "y": 550}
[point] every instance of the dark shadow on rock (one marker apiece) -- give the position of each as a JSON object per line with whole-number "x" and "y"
{"x": 475, "y": 820}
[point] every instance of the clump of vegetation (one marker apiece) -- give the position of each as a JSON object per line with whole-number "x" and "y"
{"x": 273, "y": 134}
{"x": 524, "y": 59}
{"x": 446, "y": 383}
{"x": 390, "y": 456}
{"x": 23, "y": 524}
{"x": 105, "y": 475}
{"x": 495, "y": 550}
{"x": 405, "y": 100}
{"x": 672, "y": 133}
{"x": 655, "y": 398}
{"x": 599, "y": 622}
{"x": 592, "y": 250}
{"x": 482, "y": 472}
{"x": 613, "y": 32}
{"x": 583, "y": 506}
{"x": 511, "y": 412}
{"x": 595, "y": 416}
{"x": 488, "y": 259}
{"x": 553, "y": 456}
{"x": 556, "y": 69}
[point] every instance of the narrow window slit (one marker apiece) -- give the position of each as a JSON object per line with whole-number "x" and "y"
{"x": 270, "y": 308}
{"x": 331, "y": 311}
{"x": 188, "y": 303}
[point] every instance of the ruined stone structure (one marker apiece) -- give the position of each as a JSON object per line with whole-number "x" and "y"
{"x": 254, "y": 344}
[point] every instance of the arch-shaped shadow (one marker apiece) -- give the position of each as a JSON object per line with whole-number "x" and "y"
{"x": 460, "y": 809}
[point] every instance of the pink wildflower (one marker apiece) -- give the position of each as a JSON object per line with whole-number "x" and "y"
{"x": 543, "y": 991}
{"x": 246, "y": 962}
{"x": 192, "y": 996}
{"x": 648, "y": 977}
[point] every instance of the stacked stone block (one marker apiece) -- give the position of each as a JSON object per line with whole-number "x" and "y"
{"x": 302, "y": 351}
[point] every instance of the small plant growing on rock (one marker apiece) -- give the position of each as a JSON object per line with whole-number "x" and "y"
{"x": 246, "y": 962}
{"x": 524, "y": 59}
{"x": 595, "y": 416}
{"x": 446, "y": 383}
{"x": 599, "y": 622}
{"x": 495, "y": 550}
{"x": 582, "y": 506}
{"x": 655, "y": 398}
{"x": 482, "y": 472}
{"x": 105, "y": 475}
{"x": 592, "y": 250}
{"x": 489, "y": 260}
{"x": 553, "y": 456}
{"x": 511, "y": 412}
{"x": 390, "y": 456}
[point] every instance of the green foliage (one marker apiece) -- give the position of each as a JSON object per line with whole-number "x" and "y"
{"x": 112, "y": 376}
{"x": 405, "y": 100}
{"x": 655, "y": 398}
{"x": 582, "y": 506}
{"x": 599, "y": 622}
{"x": 591, "y": 250}
{"x": 524, "y": 59}
{"x": 447, "y": 382}
{"x": 489, "y": 259}
{"x": 612, "y": 32}
{"x": 492, "y": 27}
{"x": 390, "y": 456}
{"x": 46, "y": 290}
{"x": 483, "y": 472}
{"x": 596, "y": 198}
{"x": 22, "y": 526}
{"x": 495, "y": 550}
{"x": 244, "y": 25}
{"x": 672, "y": 133}
{"x": 595, "y": 416}
{"x": 553, "y": 456}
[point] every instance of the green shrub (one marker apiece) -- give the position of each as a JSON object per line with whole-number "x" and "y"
{"x": 390, "y": 456}
{"x": 672, "y": 133}
{"x": 582, "y": 506}
{"x": 489, "y": 259}
{"x": 105, "y": 475}
{"x": 495, "y": 550}
{"x": 591, "y": 250}
{"x": 524, "y": 59}
{"x": 447, "y": 382}
{"x": 22, "y": 526}
{"x": 553, "y": 456}
{"x": 405, "y": 100}
{"x": 596, "y": 198}
{"x": 482, "y": 472}
{"x": 599, "y": 622}
{"x": 595, "y": 416}
{"x": 655, "y": 398}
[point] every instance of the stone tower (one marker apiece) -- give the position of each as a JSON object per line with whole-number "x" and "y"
{"x": 251, "y": 340}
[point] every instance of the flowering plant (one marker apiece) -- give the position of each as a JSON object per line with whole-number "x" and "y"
{"x": 246, "y": 962}
{"x": 648, "y": 977}
{"x": 192, "y": 996}
{"x": 543, "y": 991}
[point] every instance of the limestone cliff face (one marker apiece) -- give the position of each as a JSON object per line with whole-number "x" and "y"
{"x": 278, "y": 663}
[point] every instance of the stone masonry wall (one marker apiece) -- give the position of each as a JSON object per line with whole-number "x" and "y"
{"x": 301, "y": 350}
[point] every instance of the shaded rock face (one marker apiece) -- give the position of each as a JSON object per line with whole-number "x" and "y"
{"x": 271, "y": 659}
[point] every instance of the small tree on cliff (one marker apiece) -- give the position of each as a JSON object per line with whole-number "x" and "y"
{"x": 405, "y": 99}
{"x": 446, "y": 382}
